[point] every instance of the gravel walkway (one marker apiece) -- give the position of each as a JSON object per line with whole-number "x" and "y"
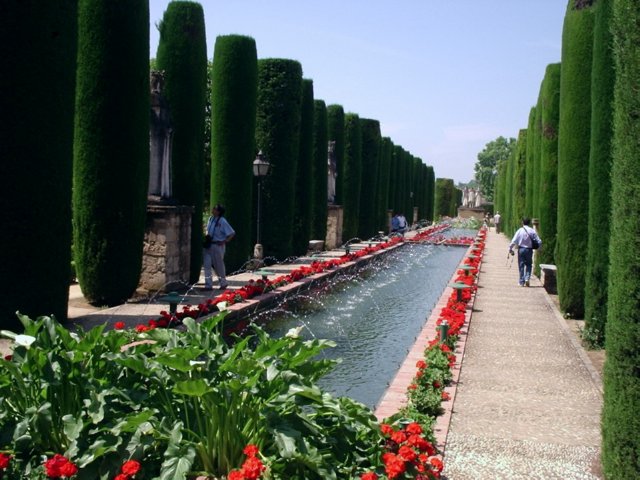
{"x": 528, "y": 401}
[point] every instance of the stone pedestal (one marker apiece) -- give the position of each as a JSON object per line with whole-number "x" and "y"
{"x": 471, "y": 212}
{"x": 334, "y": 227}
{"x": 167, "y": 247}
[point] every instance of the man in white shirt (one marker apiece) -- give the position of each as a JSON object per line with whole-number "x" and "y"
{"x": 496, "y": 221}
{"x": 527, "y": 240}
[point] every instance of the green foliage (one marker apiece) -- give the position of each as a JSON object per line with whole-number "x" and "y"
{"x": 182, "y": 55}
{"x": 603, "y": 79}
{"x": 444, "y": 197}
{"x": 548, "y": 195}
{"x": 304, "y": 183}
{"x": 277, "y": 135}
{"x": 494, "y": 152}
{"x": 335, "y": 130}
{"x": 573, "y": 155}
{"x": 621, "y": 423}
{"x": 384, "y": 179}
{"x": 371, "y": 139}
{"x": 180, "y": 402}
{"x": 111, "y": 149}
{"x": 352, "y": 176}
{"x": 529, "y": 163}
{"x": 36, "y": 137}
{"x": 517, "y": 208}
{"x": 430, "y": 192}
{"x": 234, "y": 80}
{"x": 319, "y": 172}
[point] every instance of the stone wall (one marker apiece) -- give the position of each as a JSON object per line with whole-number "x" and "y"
{"x": 334, "y": 227}
{"x": 468, "y": 212}
{"x": 167, "y": 247}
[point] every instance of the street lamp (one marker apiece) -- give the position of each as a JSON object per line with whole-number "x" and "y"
{"x": 260, "y": 169}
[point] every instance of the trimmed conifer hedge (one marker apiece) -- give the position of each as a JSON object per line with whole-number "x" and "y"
{"x": 548, "y": 201}
{"x": 234, "y": 85}
{"x": 335, "y": 130}
{"x": 573, "y": 155}
{"x": 37, "y": 88}
{"x": 529, "y": 163}
{"x": 319, "y": 172}
{"x": 621, "y": 422}
{"x": 431, "y": 187}
{"x": 277, "y": 135}
{"x": 395, "y": 178}
{"x": 371, "y": 138}
{"x": 304, "y": 184}
{"x": 182, "y": 55}
{"x": 518, "y": 180}
{"x": 445, "y": 197}
{"x": 352, "y": 176}
{"x": 384, "y": 178}
{"x": 111, "y": 151}
{"x": 603, "y": 79}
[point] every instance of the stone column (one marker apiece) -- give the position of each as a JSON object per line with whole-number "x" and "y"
{"x": 334, "y": 226}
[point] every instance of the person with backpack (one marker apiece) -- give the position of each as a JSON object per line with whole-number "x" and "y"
{"x": 527, "y": 240}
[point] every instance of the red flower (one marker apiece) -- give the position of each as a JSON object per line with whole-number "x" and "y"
{"x": 446, "y": 396}
{"x": 251, "y": 450}
{"x": 121, "y": 476}
{"x": 394, "y": 465}
{"x": 369, "y": 476}
{"x": 398, "y": 437}
{"x": 437, "y": 464}
{"x": 235, "y": 475}
{"x": 414, "y": 428}
{"x": 418, "y": 442}
{"x": 130, "y": 467}
{"x": 407, "y": 453}
{"x": 4, "y": 461}
{"x": 8, "y": 358}
{"x": 59, "y": 466}
{"x": 387, "y": 429}
{"x": 413, "y": 386}
{"x": 252, "y": 468}
{"x": 119, "y": 325}
{"x": 421, "y": 364}
{"x": 141, "y": 328}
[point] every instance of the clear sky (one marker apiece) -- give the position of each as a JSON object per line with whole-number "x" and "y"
{"x": 443, "y": 77}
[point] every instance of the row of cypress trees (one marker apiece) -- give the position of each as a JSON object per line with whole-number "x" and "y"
{"x": 94, "y": 134}
{"x": 582, "y": 183}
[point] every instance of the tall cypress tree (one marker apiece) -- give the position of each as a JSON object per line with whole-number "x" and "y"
{"x": 431, "y": 188}
{"x": 304, "y": 185}
{"x": 182, "y": 54}
{"x": 548, "y": 201}
{"x": 537, "y": 145}
{"x": 277, "y": 135}
{"x": 352, "y": 176}
{"x": 335, "y": 129}
{"x": 111, "y": 150}
{"x": 319, "y": 171}
{"x": 394, "y": 182}
{"x": 621, "y": 423}
{"x": 603, "y": 79}
{"x": 384, "y": 178}
{"x": 234, "y": 85}
{"x": 371, "y": 138}
{"x": 519, "y": 180}
{"x": 573, "y": 155}
{"x": 444, "y": 197}
{"x": 36, "y": 156}
{"x": 529, "y": 163}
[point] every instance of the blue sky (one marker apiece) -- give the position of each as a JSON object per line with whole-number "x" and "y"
{"x": 443, "y": 77}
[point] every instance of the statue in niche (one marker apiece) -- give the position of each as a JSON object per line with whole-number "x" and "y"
{"x": 479, "y": 199}
{"x": 465, "y": 197}
{"x": 160, "y": 141}
{"x": 332, "y": 167}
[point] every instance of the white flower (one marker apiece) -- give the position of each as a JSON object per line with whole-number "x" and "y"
{"x": 294, "y": 332}
{"x": 196, "y": 362}
{"x": 222, "y": 306}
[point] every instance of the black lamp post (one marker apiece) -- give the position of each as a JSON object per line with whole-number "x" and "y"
{"x": 261, "y": 169}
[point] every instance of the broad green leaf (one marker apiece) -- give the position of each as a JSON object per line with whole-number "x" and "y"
{"x": 193, "y": 388}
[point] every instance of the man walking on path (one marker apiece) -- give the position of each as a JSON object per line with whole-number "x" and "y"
{"x": 496, "y": 221}
{"x": 527, "y": 240}
{"x": 218, "y": 234}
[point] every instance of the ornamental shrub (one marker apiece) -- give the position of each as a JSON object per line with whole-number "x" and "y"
{"x": 371, "y": 139}
{"x": 430, "y": 192}
{"x": 234, "y": 84}
{"x": 36, "y": 134}
{"x": 548, "y": 204}
{"x": 304, "y": 178}
{"x": 395, "y": 178}
{"x": 182, "y": 55}
{"x": 319, "y": 171}
{"x": 444, "y": 197}
{"x": 529, "y": 163}
{"x": 111, "y": 150}
{"x": 603, "y": 79}
{"x": 518, "y": 180}
{"x": 277, "y": 135}
{"x": 384, "y": 179}
{"x": 335, "y": 131}
{"x": 621, "y": 423}
{"x": 352, "y": 176}
{"x": 573, "y": 153}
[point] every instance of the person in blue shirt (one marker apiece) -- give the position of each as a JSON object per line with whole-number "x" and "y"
{"x": 218, "y": 234}
{"x": 524, "y": 240}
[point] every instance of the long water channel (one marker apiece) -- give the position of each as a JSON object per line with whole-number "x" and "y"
{"x": 373, "y": 315}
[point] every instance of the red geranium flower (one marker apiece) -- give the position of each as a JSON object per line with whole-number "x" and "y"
{"x": 252, "y": 468}
{"x": 386, "y": 429}
{"x": 414, "y": 428}
{"x": 59, "y": 466}
{"x": 235, "y": 475}
{"x": 251, "y": 450}
{"x": 121, "y": 476}
{"x": 130, "y": 467}
{"x": 4, "y": 461}
{"x": 119, "y": 325}
{"x": 369, "y": 476}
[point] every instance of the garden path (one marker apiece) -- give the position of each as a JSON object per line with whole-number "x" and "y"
{"x": 528, "y": 400}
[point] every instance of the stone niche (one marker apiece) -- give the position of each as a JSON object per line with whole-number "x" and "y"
{"x": 167, "y": 248}
{"x": 334, "y": 227}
